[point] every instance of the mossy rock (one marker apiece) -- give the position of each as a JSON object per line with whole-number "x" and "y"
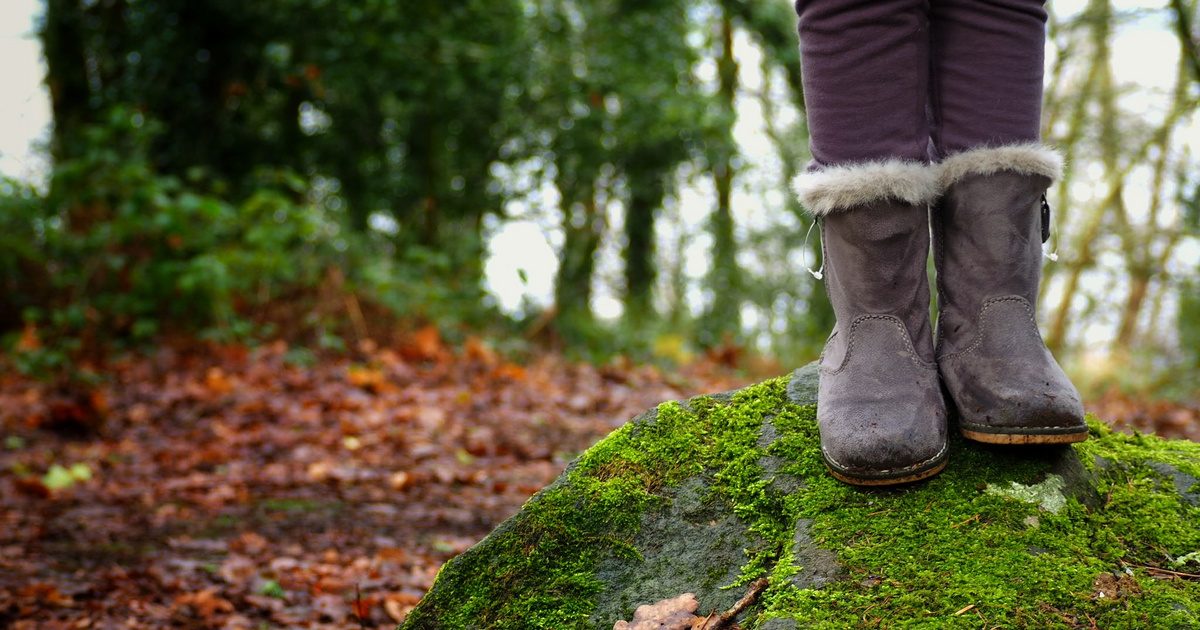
{"x": 708, "y": 495}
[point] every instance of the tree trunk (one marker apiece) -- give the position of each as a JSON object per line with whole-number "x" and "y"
{"x": 583, "y": 229}
{"x": 63, "y": 38}
{"x": 1099, "y": 76}
{"x": 645, "y": 198}
{"x": 724, "y": 280}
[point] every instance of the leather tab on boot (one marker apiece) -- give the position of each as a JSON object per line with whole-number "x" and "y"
{"x": 1045, "y": 218}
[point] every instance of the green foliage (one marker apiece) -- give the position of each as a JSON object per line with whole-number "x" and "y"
{"x": 406, "y": 123}
{"x": 118, "y": 252}
{"x": 412, "y": 125}
{"x": 21, "y": 231}
{"x": 614, "y": 111}
{"x": 271, "y": 588}
{"x": 1189, "y": 289}
{"x": 358, "y": 92}
{"x": 59, "y": 477}
{"x": 1189, "y": 320}
{"x": 117, "y": 249}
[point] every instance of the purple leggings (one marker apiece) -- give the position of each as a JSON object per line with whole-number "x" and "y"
{"x": 919, "y": 79}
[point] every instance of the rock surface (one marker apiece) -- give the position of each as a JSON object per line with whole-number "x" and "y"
{"x": 693, "y": 544}
{"x": 705, "y": 496}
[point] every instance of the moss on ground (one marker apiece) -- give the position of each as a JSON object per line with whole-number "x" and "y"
{"x": 946, "y": 553}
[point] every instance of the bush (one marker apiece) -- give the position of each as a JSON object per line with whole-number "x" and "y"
{"x": 116, "y": 251}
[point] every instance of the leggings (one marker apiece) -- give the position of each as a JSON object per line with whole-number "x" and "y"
{"x": 919, "y": 80}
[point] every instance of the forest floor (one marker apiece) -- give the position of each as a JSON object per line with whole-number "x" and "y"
{"x": 241, "y": 489}
{"x": 236, "y": 488}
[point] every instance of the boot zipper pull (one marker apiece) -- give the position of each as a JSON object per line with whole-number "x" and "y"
{"x": 818, "y": 273}
{"x": 1053, "y": 255}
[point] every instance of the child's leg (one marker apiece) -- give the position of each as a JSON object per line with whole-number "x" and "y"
{"x": 865, "y": 67}
{"x": 986, "y": 72}
{"x": 881, "y": 415}
{"x": 986, "y": 100}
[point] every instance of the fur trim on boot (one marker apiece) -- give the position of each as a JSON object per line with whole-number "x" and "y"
{"x": 838, "y": 188}
{"x": 1031, "y": 158}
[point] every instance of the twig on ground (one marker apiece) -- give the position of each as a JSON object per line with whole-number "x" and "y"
{"x": 1160, "y": 571}
{"x": 726, "y": 619}
{"x": 358, "y": 607}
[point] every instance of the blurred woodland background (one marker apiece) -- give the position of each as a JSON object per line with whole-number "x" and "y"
{"x": 611, "y": 177}
{"x": 300, "y": 298}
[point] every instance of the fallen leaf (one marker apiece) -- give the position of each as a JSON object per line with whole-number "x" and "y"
{"x": 330, "y": 607}
{"x": 29, "y": 340}
{"x": 361, "y": 607}
{"x": 204, "y": 604}
{"x": 46, "y": 594}
{"x": 478, "y": 350}
{"x": 398, "y": 605}
{"x": 217, "y": 382}
{"x": 424, "y": 345}
{"x": 367, "y": 378}
{"x": 668, "y": 614}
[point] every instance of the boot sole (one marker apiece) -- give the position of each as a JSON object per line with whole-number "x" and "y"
{"x": 890, "y": 481}
{"x": 1025, "y": 438}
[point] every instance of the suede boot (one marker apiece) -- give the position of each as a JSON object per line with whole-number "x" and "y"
{"x": 988, "y": 233}
{"x": 880, "y": 410}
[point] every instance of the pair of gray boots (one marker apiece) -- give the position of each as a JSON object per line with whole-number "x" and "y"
{"x": 887, "y": 388}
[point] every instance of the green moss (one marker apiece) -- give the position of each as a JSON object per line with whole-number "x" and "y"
{"x": 537, "y": 570}
{"x": 914, "y": 556}
{"x": 917, "y": 556}
{"x": 1139, "y": 448}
